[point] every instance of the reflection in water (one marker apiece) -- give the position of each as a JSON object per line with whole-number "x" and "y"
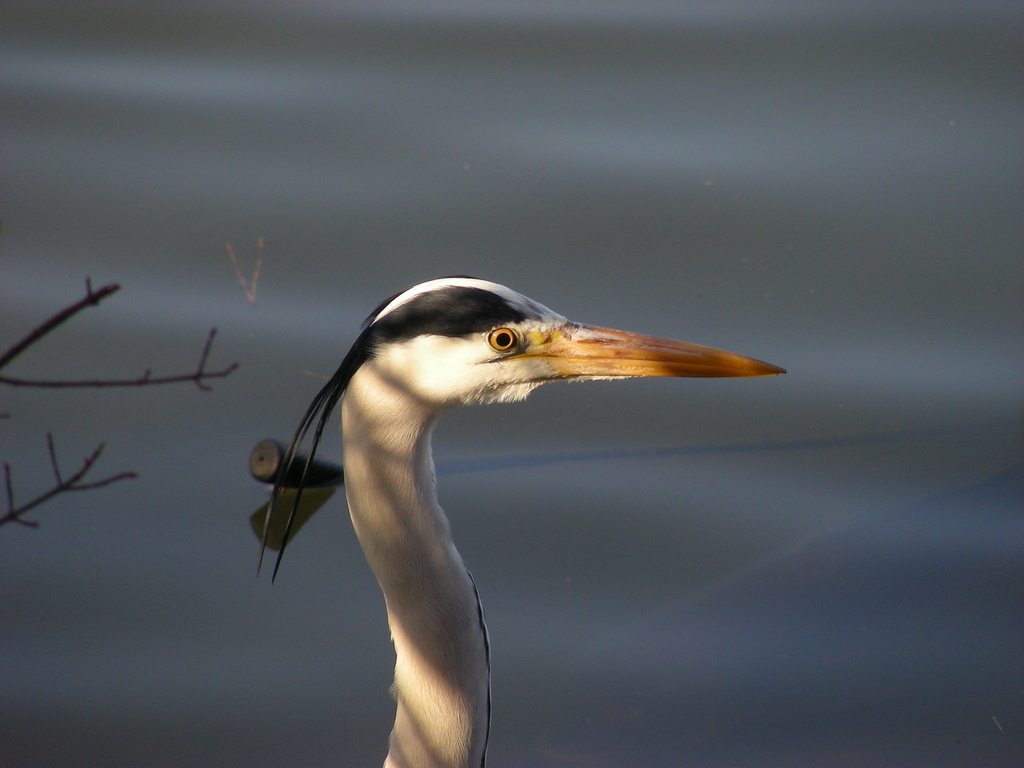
{"x": 312, "y": 500}
{"x": 265, "y": 461}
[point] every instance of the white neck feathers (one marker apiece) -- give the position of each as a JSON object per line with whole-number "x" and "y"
{"x": 441, "y": 672}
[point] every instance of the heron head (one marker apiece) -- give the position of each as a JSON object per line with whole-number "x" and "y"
{"x": 457, "y": 341}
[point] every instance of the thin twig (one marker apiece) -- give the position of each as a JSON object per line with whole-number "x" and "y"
{"x": 249, "y": 286}
{"x": 75, "y": 483}
{"x": 61, "y": 484}
{"x": 199, "y": 376}
{"x": 91, "y": 299}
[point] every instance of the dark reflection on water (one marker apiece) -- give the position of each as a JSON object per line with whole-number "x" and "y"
{"x": 820, "y": 569}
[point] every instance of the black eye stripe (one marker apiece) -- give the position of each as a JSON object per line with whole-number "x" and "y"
{"x": 448, "y": 311}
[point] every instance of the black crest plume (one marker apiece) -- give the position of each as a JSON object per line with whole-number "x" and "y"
{"x": 322, "y": 406}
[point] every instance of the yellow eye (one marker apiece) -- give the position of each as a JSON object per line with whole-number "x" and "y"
{"x": 502, "y": 339}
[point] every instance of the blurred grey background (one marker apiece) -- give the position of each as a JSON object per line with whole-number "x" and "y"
{"x": 823, "y": 568}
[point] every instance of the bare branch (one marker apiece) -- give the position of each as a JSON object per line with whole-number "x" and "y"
{"x": 76, "y": 482}
{"x": 249, "y": 286}
{"x": 199, "y": 376}
{"x": 92, "y": 298}
{"x": 15, "y": 514}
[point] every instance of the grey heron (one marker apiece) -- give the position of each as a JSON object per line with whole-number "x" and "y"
{"x": 443, "y": 343}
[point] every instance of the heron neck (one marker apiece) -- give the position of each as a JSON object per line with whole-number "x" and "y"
{"x": 441, "y": 671}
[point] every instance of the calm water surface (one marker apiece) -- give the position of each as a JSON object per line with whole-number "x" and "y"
{"x": 818, "y": 569}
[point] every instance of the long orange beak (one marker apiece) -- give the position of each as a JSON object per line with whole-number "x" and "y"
{"x": 577, "y": 351}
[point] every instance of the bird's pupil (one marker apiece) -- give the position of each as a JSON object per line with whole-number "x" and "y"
{"x": 502, "y": 339}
